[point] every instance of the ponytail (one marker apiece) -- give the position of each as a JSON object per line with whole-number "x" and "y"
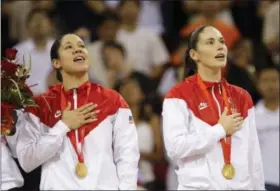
{"x": 190, "y": 65}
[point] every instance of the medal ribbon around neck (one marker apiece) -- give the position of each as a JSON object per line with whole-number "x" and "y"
{"x": 81, "y": 130}
{"x": 226, "y": 143}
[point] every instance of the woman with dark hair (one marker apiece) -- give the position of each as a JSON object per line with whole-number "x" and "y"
{"x": 208, "y": 124}
{"x": 82, "y": 134}
{"x": 148, "y": 127}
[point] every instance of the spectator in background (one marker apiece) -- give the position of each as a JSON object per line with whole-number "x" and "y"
{"x": 106, "y": 31}
{"x": 271, "y": 29}
{"x": 240, "y": 69}
{"x": 175, "y": 72}
{"x": 89, "y": 14}
{"x": 149, "y": 134}
{"x": 223, "y": 12}
{"x": 17, "y": 22}
{"x": 150, "y": 15}
{"x": 267, "y": 121}
{"x": 208, "y": 15}
{"x": 37, "y": 47}
{"x": 246, "y": 18}
{"x": 6, "y": 40}
{"x": 145, "y": 48}
{"x": 115, "y": 67}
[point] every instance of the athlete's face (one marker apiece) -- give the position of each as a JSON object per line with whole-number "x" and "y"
{"x": 73, "y": 55}
{"x": 211, "y": 50}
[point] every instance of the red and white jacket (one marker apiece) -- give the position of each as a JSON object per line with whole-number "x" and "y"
{"x": 111, "y": 151}
{"x": 192, "y": 138}
{"x": 10, "y": 173}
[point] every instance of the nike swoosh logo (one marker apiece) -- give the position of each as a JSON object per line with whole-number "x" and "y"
{"x": 202, "y": 107}
{"x": 57, "y": 114}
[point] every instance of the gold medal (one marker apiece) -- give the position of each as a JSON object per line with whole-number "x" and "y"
{"x": 81, "y": 170}
{"x": 228, "y": 171}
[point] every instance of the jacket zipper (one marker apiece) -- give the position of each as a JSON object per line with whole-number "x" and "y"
{"x": 218, "y": 105}
{"x": 75, "y": 98}
{"x": 216, "y": 100}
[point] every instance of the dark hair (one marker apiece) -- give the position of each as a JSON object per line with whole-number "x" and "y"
{"x": 108, "y": 16}
{"x": 55, "y": 55}
{"x": 122, "y": 2}
{"x": 190, "y": 65}
{"x": 114, "y": 44}
{"x": 267, "y": 67}
{"x": 35, "y": 11}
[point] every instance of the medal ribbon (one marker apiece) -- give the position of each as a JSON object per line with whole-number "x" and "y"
{"x": 81, "y": 130}
{"x": 226, "y": 143}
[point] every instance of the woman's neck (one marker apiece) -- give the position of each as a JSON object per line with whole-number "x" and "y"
{"x": 272, "y": 104}
{"x": 40, "y": 43}
{"x": 209, "y": 74}
{"x": 73, "y": 81}
{"x": 129, "y": 27}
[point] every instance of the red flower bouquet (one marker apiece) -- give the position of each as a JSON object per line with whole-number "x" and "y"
{"x": 15, "y": 94}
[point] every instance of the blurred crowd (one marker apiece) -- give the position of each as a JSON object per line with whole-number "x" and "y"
{"x": 138, "y": 48}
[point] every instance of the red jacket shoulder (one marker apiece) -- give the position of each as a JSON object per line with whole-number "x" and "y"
{"x": 44, "y": 100}
{"x": 115, "y": 98}
{"x": 242, "y": 96}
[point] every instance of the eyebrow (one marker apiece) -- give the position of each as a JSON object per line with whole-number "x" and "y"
{"x": 68, "y": 42}
{"x": 221, "y": 38}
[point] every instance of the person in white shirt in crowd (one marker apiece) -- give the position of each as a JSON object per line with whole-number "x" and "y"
{"x": 37, "y": 47}
{"x": 209, "y": 125}
{"x": 82, "y": 134}
{"x": 271, "y": 29}
{"x": 150, "y": 15}
{"x": 106, "y": 31}
{"x": 267, "y": 121}
{"x": 145, "y": 48}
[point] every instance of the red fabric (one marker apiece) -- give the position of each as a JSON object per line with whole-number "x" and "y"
{"x": 109, "y": 101}
{"x": 189, "y": 91}
{"x": 81, "y": 130}
{"x": 226, "y": 144}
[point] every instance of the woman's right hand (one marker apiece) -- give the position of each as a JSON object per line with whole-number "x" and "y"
{"x": 79, "y": 117}
{"x": 231, "y": 123}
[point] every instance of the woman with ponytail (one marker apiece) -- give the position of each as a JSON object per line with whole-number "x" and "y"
{"x": 208, "y": 124}
{"x": 82, "y": 134}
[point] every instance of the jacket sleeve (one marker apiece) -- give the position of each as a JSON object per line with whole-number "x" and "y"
{"x": 125, "y": 145}
{"x": 179, "y": 138}
{"x": 255, "y": 159}
{"x": 36, "y": 142}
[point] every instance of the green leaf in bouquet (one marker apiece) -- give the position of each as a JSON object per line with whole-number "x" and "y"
{"x": 17, "y": 89}
{"x": 30, "y": 102}
{"x": 15, "y": 97}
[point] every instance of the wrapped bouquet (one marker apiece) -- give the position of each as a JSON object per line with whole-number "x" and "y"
{"x": 15, "y": 93}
